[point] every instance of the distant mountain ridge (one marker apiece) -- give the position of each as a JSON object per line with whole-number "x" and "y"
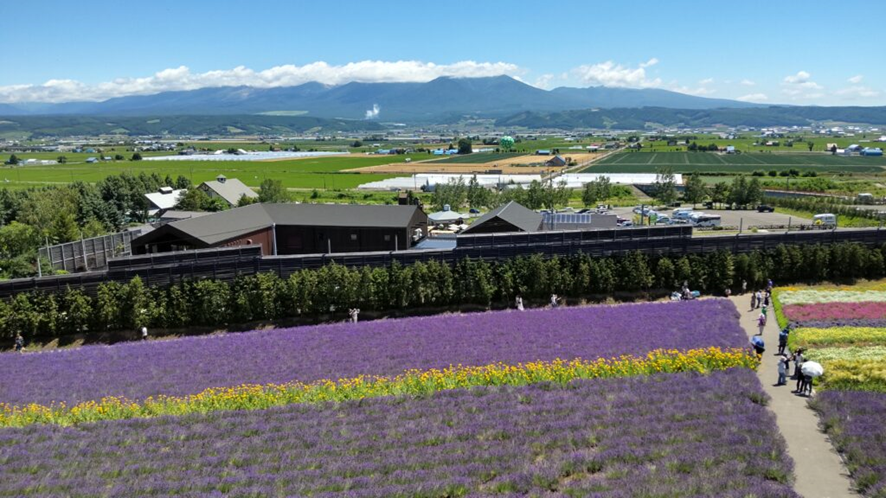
{"x": 496, "y": 96}
{"x": 650, "y": 117}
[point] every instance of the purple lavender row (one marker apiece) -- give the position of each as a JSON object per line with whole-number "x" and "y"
{"x": 386, "y": 347}
{"x": 856, "y": 424}
{"x": 665, "y": 435}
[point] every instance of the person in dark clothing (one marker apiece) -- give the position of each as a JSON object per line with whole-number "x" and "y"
{"x": 783, "y": 340}
{"x": 19, "y": 343}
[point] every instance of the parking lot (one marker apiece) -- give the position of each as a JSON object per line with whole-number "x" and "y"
{"x": 730, "y": 218}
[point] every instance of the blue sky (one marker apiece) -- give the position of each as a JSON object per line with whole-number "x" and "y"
{"x": 814, "y": 52}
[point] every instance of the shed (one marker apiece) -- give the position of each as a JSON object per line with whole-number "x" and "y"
{"x": 512, "y": 217}
{"x": 556, "y": 161}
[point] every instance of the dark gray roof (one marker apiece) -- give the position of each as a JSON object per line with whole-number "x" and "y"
{"x": 225, "y": 225}
{"x": 525, "y": 219}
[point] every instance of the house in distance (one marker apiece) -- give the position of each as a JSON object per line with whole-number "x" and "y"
{"x": 231, "y": 190}
{"x": 293, "y": 229}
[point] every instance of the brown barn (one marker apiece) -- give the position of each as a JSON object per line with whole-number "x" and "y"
{"x": 293, "y": 229}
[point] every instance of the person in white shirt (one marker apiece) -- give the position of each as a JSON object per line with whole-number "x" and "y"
{"x": 519, "y": 302}
{"x": 144, "y": 332}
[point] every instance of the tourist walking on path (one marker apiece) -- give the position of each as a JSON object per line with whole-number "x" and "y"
{"x": 798, "y": 362}
{"x": 144, "y": 333}
{"x": 352, "y": 313}
{"x": 761, "y": 323}
{"x": 744, "y": 286}
{"x": 753, "y": 300}
{"x": 555, "y": 301}
{"x": 759, "y": 297}
{"x": 783, "y": 339}
{"x": 519, "y": 302}
{"x": 19, "y": 343}
{"x": 782, "y": 370}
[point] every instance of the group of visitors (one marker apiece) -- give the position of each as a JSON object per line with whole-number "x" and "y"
{"x": 555, "y": 301}
{"x": 762, "y": 299}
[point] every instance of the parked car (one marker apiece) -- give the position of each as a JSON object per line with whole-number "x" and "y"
{"x": 825, "y": 220}
{"x": 763, "y": 208}
{"x": 474, "y": 211}
{"x": 662, "y": 220}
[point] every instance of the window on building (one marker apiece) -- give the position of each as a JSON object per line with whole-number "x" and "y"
{"x": 387, "y": 238}
{"x": 353, "y": 237}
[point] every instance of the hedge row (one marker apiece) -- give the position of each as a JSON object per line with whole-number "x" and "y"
{"x": 335, "y": 288}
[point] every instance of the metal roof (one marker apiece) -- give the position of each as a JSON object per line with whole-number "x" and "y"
{"x": 225, "y": 225}
{"x": 159, "y": 200}
{"x": 230, "y": 190}
{"x": 526, "y": 220}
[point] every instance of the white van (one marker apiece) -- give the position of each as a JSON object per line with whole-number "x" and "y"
{"x": 705, "y": 220}
{"x": 681, "y": 213}
{"x": 826, "y": 219}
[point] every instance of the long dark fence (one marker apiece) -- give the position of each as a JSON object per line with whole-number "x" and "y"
{"x": 228, "y": 263}
{"x": 89, "y": 254}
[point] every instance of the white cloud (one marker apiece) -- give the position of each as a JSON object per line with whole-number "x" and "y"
{"x": 544, "y": 81}
{"x": 181, "y": 78}
{"x": 753, "y": 97}
{"x": 855, "y": 79}
{"x": 616, "y": 75}
{"x": 699, "y": 91}
{"x": 800, "y": 86}
{"x": 747, "y": 82}
{"x": 855, "y": 92}
{"x": 706, "y": 81}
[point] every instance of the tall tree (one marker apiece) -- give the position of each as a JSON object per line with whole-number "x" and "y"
{"x": 464, "y": 146}
{"x": 272, "y": 191}
{"x": 695, "y": 191}
{"x": 664, "y": 189}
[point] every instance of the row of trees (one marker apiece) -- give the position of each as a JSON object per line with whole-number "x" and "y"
{"x": 30, "y": 218}
{"x": 456, "y": 193}
{"x": 334, "y": 288}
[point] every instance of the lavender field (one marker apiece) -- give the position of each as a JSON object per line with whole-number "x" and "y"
{"x": 386, "y": 347}
{"x": 665, "y": 435}
{"x": 856, "y": 423}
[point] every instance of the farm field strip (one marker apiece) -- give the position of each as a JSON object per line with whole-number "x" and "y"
{"x": 410, "y": 383}
{"x": 746, "y": 163}
{"x": 677, "y": 434}
{"x": 479, "y": 158}
{"x": 386, "y": 347}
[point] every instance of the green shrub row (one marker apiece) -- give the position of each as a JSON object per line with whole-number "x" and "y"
{"x": 335, "y": 288}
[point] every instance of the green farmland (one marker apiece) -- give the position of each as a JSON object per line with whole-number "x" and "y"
{"x": 306, "y": 173}
{"x": 707, "y": 162}
{"x": 479, "y": 158}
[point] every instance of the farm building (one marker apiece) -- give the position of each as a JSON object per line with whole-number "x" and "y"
{"x": 555, "y": 161}
{"x": 293, "y": 229}
{"x": 91, "y": 160}
{"x": 231, "y": 190}
{"x": 730, "y": 149}
{"x": 512, "y": 217}
{"x": 543, "y": 152}
{"x": 163, "y": 200}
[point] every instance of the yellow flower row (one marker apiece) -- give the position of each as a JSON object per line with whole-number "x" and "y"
{"x": 411, "y": 382}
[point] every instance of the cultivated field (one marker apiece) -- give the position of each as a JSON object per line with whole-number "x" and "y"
{"x": 711, "y": 162}
{"x": 479, "y": 158}
{"x": 320, "y": 173}
{"x": 844, "y": 329}
{"x": 650, "y": 396}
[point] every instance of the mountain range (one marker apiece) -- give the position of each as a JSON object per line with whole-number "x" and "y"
{"x": 442, "y": 99}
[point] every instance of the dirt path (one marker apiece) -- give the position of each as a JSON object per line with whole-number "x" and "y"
{"x": 819, "y": 469}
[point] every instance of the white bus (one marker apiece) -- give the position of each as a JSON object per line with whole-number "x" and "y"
{"x": 705, "y": 220}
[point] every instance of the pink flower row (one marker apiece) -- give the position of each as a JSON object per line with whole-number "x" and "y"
{"x": 834, "y": 311}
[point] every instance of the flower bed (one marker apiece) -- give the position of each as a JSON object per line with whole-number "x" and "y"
{"x": 664, "y": 435}
{"x": 814, "y": 296}
{"x": 386, "y": 347}
{"x": 855, "y": 353}
{"x": 837, "y": 336}
{"x": 856, "y": 424}
{"x": 801, "y": 314}
{"x": 411, "y": 383}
